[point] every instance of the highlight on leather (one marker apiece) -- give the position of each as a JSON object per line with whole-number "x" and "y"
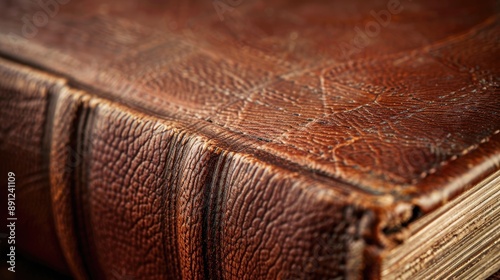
{"x": 251, "y": 139}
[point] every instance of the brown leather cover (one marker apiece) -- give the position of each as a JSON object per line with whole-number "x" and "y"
{"x": 249, "y": 140}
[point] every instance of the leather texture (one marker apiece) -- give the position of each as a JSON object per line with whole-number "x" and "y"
{"x": 275, "y": 139}
{"x": 24, "y": 151}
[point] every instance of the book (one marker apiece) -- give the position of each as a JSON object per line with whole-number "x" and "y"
{"x": 251, "y": 139}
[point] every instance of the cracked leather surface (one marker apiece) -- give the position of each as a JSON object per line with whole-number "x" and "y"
{"x": 350, "y": 115}
{"x": 267, "y": 144}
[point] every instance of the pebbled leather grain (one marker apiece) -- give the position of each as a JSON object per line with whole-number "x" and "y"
{"x": 24, "y": 151}
{"x": 382, "y": 118}
{"x": 269, "y": 144}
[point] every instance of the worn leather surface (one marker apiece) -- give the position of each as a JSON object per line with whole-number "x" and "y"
{"x": 230, "y": 147}
{"x": 134, "y": 196}
{"x": 23, "y": 150}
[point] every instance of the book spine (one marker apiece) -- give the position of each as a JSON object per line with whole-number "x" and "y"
{"x": 24, "y": 144}
{"x": 137, "y": 197}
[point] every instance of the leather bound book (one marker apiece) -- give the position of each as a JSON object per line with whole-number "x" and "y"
{"x": 251, "y": 139}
